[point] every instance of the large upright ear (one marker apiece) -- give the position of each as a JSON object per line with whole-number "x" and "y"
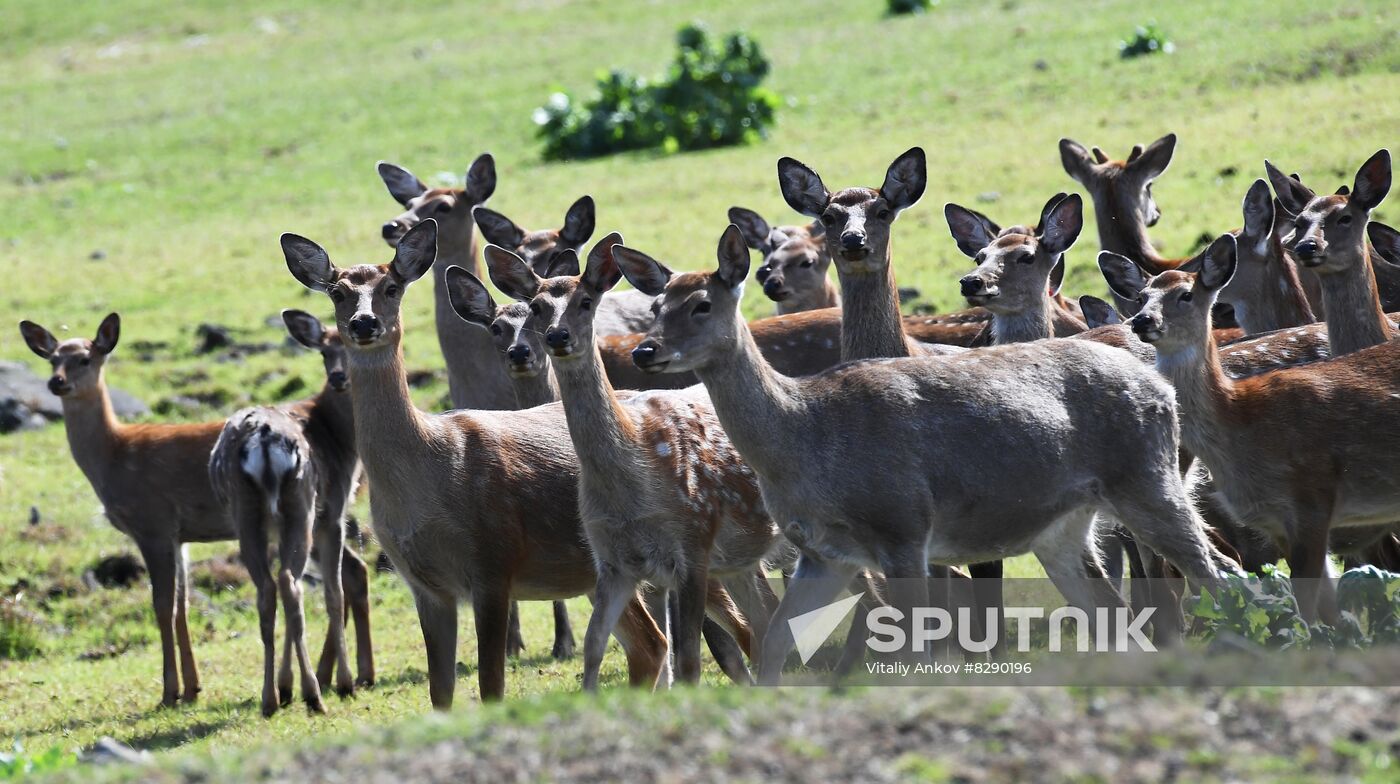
{"x": 1045, "y": 211}
{"x": 1386, "y": 241}
{"x": 1292, "y": 194}
{"x": 481, "y": 179}
{"x": 416, "y": 252}
{"x": 1098, "y": 313}
{"x": 972, "y": 230}
{"x": 906, "y": 179}
{"x": 1076, "y": 159}
{"x": 646, "y": 274}
{"x": 402, "y": 185}
{"x": 469, "y": 298}
{"x": 564, "y": 265}
{"x": 304, "y": 328}
{"x": 108, "y": 333}
{"x": 1062, "y": 224}
{"x": 511, "y": 274}
{"x": 802, "y": 188}
{"x": 40, "y": 340}
{"x": 308, "y": 262}
{"x": 1155, "y": 159}
{"x": 1258, "y": 212}
{"x": 1125, "y": 278}
{"x": 579, "y": 223}
{"x": 602, "y": 273}
{"x": 754, "y": 228}
{"x": 1057, "y": 277}
{"x": 496, "y": 228}
{"x": 1218, "y": 263}
{"x": 1372, "y": 181}
{"x": 733, "y": 258}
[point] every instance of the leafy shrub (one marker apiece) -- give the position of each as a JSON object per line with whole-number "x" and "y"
{"x": 1264, "y": 611}
{"x": 20, "y": 765}
{"x": 899, "y": 7}
{"x": 1148, "y": 39}
{"x": 710, "y": 97}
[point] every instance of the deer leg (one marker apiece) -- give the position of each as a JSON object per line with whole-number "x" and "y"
{"x": 298, "y": 519}
{"x": 189, "y": 672}
{"x": 644, "y": 643}
{"x": 515, "y": 643}
{"x": 160, "y": 558}
{"x": 330, "y": 545}
{"x": 661, "y": 604}
{"x": 613, "y": 593}
{"x": 907, "y": 577}
{"x": 756, "y": 600}
{"x": 252, "y": 550}
{"x": 691, "y": 596}
{"x": 720, "y": 606}
{"x": 988, "y": 594}
{"x": 563, "y": 649}
{"x": 1161, "y": 518}
{"x": 726, "y": 652}
{"x": 1309, "y": 567}
{"x": 1069, "y": 554}
{"x": 437, "y": 617}
{"x": 815, "y": 583}
{"x": 492, "y": 612}
{"x": 355, "y": 577}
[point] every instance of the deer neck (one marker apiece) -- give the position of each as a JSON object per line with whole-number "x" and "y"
{"x": 1123, "y": 231}
{"x": 1279, "y": 306}
{"x": 387, "y": 425}
{"x": 871, "y": 324}
{"x": 474, "y": 375}
{"x": 758, "y": 407}
{"x": 536, "y": 390}
{"x": 1204, "y": 395}
{"x": 334, "y": 414}
{"x": 603, "y": 433}
{"x": 1355, "y": 319}
{"x": 826, "y": 297}
{"x": 1032, "y": 323}
{"x": 93, "y": 431}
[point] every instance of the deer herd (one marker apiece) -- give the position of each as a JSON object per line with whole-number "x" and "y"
{"x": 655, "y": 451}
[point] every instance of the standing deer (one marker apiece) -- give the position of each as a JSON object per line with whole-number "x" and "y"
{"x": 478, "y": 506}
{"x": 290, "y": 471}
{"x": 795, "y": 262}
{"x": 622, "y": 314}
{"x": 1293, "y": 453}
{"x": 893, "y": 463}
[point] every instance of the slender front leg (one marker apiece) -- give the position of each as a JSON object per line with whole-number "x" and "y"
{"x": 988, "y": 593}
{"x": 438, "y": 620}
{"x": 1308, "y": 567}
{"x": 160, "y": 558}
{"x": 298, "y": 517}
{"x": 330, "y": 544}
{"x": 355, "y": 577}
{"x": 563, "y": 649}
{"x": 907, "y": 577}
{"x": 189, "y": 672}
{"x": 644, "y": 643}
{"x": 614, "y": 591}
{"x": 814, "y": 584}
{"x": 691, "y": 598}
{"x": 515, "y": 643}
{"x": 492, "y": 628}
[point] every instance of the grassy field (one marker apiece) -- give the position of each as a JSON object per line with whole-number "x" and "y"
{"x": 151, "y": 153}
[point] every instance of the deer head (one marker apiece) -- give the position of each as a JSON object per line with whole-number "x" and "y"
{"x": 77, "y": 362}
{"x": 698, "y": 319}
{"x": 308, "y": 331}
{"x": 540, "y": 248}
{"x": 1175, "y": 312}
{"x": 367, "y": 297}
{"x": 1121, "y": 186}
{"x": 856, "y": 221}
{"x": 562, "y": 307}
{"x": 795, "y": 258}
{"x": 1018, "y": 266}
{"x": 1329, "y": 232}
{"x": 450, "y": 207}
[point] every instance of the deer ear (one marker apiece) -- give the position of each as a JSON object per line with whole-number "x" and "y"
{"x": 108, "y": 333}
{"x": 308, "y": 262}
{"x": 733, "y": 257}
{"x": 1218, "y": 263}
{"x": 602, "y": 273}
{"x": 1125, "y": 278}
{"x": 1098, "y": 313}
{"x": 1154, "y": 159}
{"x": 1057, "y": 277}
{"x": 497, "y": 229}
{"x": 1063, "y": 224}
{"x": 754, "y": 228}
{"x": 1386, "y": 241}
{"x": 416, "y": 252}
{"x": 1372, "y": 181}
{"x": 1258, "y": 212}
{"x": 481, "y": 179}
{"x": 511, "y": 274}
{"x": 646, "y": 274}
{"x": 402, "y": 185}
{"x": 40, "y": 340}
{"x": 563, "y": 265}
{"x": 802, "y": 188}
{"x": 579, "y": 223}
{"x": 906, "y": 179}
{"x": 304, "y": 328}
{"x": 469, "y": 298}
{"x": 972, "y": 231}
{"x": 1076, "y": 160}
{"x": 1292, "y": 194}
{"x": 1044, "y": 211}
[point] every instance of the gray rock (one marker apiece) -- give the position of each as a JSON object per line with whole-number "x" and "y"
{"x": 26, "y": 402}
{"x": 110, "y": 750}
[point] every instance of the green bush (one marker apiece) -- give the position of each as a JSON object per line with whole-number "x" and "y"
{"x": 20, "y": 765}
{"x": 710, "y": 97}
{"x": 899, "y": 7}
{"x": 1148, "y": 39}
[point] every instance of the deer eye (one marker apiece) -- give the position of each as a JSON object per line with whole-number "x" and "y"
{"x": 883, "y": 214}
{"x": 391, "y": 291}
{"x": 1026, "y": 258}
{"x": 701, "y": 308}
{"x": 1344, "y": 220}
{"x": 85, "y": 361}
{"x": 443, "y": 207}
{"x": 535, "y": 308}
{"x": 829, "y": 219}
{"x": 806, "y": 263}
{"x": 337, "y": 295}
{"x": 1185, "y": 297}
{"x": 496, "y": 330}
{"x": 585, "y": 304}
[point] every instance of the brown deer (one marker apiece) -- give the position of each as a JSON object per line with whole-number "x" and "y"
{"x": 1265, "y": 293}
{"x": 478, "y": 506}
{"x": 622, "y": 314}
{"x": 664, "y": 497}
{"x": 1060, "y": 429}
{"x": 153, "y": 482}
{"x": 795, "y": 262}
{"x": 1293, "y": 453}
{"x": 290, "y": 471}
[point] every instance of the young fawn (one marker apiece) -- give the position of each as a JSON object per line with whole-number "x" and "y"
{"x": 795, "y": 262}
{"x": 624, "y": 313}
{"x": 289, "y": 471}
{"x": 478, "y": 506}
{"x": 890, "y": 464}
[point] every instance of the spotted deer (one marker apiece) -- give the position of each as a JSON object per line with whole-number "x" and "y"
{"x": 153, "y": 482}
{"x": 477, "y": 506}
{"x": 623, "y": 313}
{"x": 1060, "y": 429}
{"x": 1294, "y": 453}
{"x": 795, "y": 262}
{"x": 287, "y": 472}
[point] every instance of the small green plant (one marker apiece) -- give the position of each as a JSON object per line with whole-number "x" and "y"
{"x": 18, "y": 765}
{"x": 710, "y": 97}
{"x": 1146, "y": 39}
{"x": 1264, "y": 611}
{"x": 901, "y": 7}
{"x": 20, "y": 634}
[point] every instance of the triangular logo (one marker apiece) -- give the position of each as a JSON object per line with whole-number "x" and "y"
{"x": 810, "y": 630}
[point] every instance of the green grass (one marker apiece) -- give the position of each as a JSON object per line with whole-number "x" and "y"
{"x": 181, "y": 139}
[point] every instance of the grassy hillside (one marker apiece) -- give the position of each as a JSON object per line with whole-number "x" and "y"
{"x": 151, "y": 153}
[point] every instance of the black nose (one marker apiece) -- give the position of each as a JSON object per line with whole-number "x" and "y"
{"x": 338, "y": 379}
{"x": 772, "y": 286}
{"x": 1140, "y": 322}
{"x": 971, "y": 285}
{"x": 1306, "y": 248}
{"x": 852, "y": 240}
{"x": 364, "y": 327}
{"x": 390, "y": 229}
{"x": 519, "y": 354}
{"x": 762, "y": 275}
{"x": 644, "y": 354}
{"x": 56, "y": 383}
{"x": 557, "y": 338}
